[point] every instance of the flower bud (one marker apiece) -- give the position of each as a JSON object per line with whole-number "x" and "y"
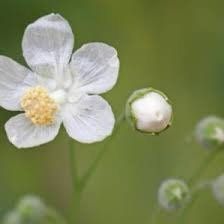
{"x": 173, "y": 194}
{"x": 218, "y": 189}
{"x": 31, "y": 208}
{"x": 149, "y": 111}
{"x": 210, "y": 132}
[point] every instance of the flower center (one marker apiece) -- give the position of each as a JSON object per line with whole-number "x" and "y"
{"x": 39, "y": 107}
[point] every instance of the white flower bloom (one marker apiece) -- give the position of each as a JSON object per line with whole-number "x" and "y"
{"x": 149, "y": 110}
{"x": 59, "y": 88}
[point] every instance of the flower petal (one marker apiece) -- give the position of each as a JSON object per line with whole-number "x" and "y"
{"x": 95, "y": 67}
{"x": 48, "y": 44}
{"x": 90, "y": 120}
{"x": 14, "y": 79}
{"x": 24, "y": 134}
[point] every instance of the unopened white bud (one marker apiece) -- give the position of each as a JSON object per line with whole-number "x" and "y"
{"x": 210, "y": 132}
{"x": 149, "y": 110}
{"x": 173, "y": 194}
{"x": 218, "y": 189}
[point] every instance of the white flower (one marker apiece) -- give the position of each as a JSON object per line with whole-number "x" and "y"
{"x": 149, "y": 110}
{"x": 61, "y": 87}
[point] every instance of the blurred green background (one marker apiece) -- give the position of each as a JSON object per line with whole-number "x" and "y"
{"x": 174, "y": 46}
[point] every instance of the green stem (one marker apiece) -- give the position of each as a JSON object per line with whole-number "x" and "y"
{"x": 91, "y": 170}
{"x": 76, "y": 195}
{"x": 203, "y": 167}
{"x": 80, "y": 184}
{"x": 54, "y": 217}
{"x": 155, "y": 214}
{"x": 188, "y": 208}
{"x": 193, "y": 181}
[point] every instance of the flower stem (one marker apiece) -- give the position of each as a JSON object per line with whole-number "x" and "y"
{"x": 54, "y": 217}
{"x": 193, "y": 181}
{"x": 155, "y": 215}
{"x": 203, "y": 167}
{"x": 80, "y": 184}
{"x": 76, "y": 195}
{"x": 91, "y": 170}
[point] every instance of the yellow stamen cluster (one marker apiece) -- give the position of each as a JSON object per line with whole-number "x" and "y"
{"x": 39, "y": 107}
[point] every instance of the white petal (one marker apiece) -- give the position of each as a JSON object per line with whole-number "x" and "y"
{"x": 14, "y": 79}
{"x": 95, "y": 67}
{"x": 90, "y": 120}
{"x": 24, "y": 134}
{"x": 47, "y": 45}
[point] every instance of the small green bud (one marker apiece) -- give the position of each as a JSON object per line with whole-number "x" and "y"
{"x": 31, "y": 208}
{"x": 173, "y": 194}
{"x": 218, "y": 189}
{"x": 148, "y": 110}
{"x": 210, "y": 132}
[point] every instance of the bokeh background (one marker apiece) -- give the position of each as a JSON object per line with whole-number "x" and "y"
{"x": 174, "y": 46}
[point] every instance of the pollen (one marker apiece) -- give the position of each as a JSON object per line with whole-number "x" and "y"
{"x": 39, "y": 107}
